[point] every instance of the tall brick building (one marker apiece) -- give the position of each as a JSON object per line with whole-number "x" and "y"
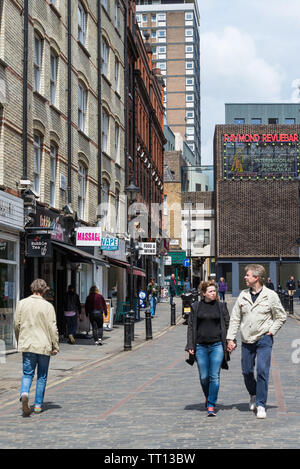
{"x": 257, "y": 171}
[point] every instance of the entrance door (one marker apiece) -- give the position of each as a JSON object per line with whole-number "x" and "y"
{"x": 7, "y": 303}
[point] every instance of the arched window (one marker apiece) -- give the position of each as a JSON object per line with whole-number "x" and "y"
{"x": 105, "y": 202}
{"x": 38, "y": 56}
{"x": 53, "y": 77}
{"x": 82, "y": 176}
{"x": 105, "y": 57}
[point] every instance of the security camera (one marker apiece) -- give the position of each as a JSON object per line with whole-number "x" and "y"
{"x": 25, "y": 184}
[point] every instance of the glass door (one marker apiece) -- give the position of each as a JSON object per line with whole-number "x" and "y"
{"x": 7, "y": 303}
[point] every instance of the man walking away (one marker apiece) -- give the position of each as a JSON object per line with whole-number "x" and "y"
{"x": 259, "y": 314}
{"x": 152, "y": 290}
{"x": 37, "y": 337}
{"x": 72, "y": 308}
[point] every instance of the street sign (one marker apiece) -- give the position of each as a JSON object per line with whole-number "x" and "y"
{"x": 148, "y": 249}
{"x": 186, "y": 263}
{"x": 168, "y": 260}
{"x": 110, "y": 244}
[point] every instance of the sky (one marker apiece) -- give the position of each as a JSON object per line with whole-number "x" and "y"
{"x": 250, "y": 52}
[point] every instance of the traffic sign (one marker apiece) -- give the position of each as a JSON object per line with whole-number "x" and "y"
{"x": 187, "y": 263}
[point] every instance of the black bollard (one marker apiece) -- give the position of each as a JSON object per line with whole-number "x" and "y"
{"x": 148, "y": 325}
{"x": 132, "y": 316}
{"x": 291, "y": 305}
{"x": 127, "y": 333}
{"x": 173, "y": 314}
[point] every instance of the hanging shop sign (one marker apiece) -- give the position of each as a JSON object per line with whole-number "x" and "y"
{"x": 88, "y": 236}
{"x": 11, "y": 211}
{"x": 52, "y": 221}
{"x": 39, "y": 245}
{"x": 110, "y": 244}
{"x": 261, "y": 156}
{"x": 147, "y": 249}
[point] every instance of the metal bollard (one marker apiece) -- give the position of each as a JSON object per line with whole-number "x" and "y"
{"x": 173, "y": 314}
{"x": 291, "y": 305}
{"x": 148, "y": 325}
{"x": 132, "y": 318}
{"x": 127, "y": 333}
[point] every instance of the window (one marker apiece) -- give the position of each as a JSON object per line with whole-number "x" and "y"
{"x": 189, "y": 65}
{"x": 117, "y": 143}
{"x": 116, "y": 13}
{"x": 256, "y": 120}
{"x": 53, "y": 159}
{"x": 105, "y": 57}
{"x": 53, "y": 2}
{"x": 153, "y": 34}
{"x": 190, "y": 130}
{"x": 201, "y": 237}
{"x": 53, "y": 78}
{"x": 82, "y": 20}
{"x": 189, "y": 98}
{"x": 190, "y": 114}
{"x": 272, "y": 120}
{"x": 161, "y": 33}
{"x": 161, "y": 65}
{"x": 161, "y": 17}
{"x": 189, "y": 81}
{"x": 105, "y": 129}
{"x": 38, "y": 51}
{"x": 189, "y": 49}
{"x": 153, "y": 18}
{"x": 81, "y": 190}
{"x": 290, "y": 120}
{"x": 82, "y": 105}
{"x": 189, "y": 32}
{"x": 188, "y": 16}
{"x": 37, "y": 146}
{"x": 239, "y": 120}
{"x": 162, "y": 49}
{"x": 117, "y": 71}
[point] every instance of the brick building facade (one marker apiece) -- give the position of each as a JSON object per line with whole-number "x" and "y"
{"x": 257, "y": 199}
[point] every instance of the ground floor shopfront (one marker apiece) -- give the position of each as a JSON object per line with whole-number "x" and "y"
{"x": 279, "y": 270}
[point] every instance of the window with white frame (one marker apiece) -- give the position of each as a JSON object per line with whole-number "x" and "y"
{"x": 82, "y": 22}
{"x": 189, "y": 49}
{"x": 188, "y": 16}
{"x": 189, "y": 65}
{"x": 37, "y": 147}
{"x": 161, "y": 33}
{"x": 105, "y": 57}
{"x": 53, "y": 77}
{"x": 82, "y": 175}
{"x": 190, "y": 114}
{"x": 161, "y": 17}
{"x": 189, "y": 32}
{"x": 53, "y": 163}
{"x": 117, "y": 143}
{"x": 190, "y": 130}
{"x": 189, "y": 98}
{"x": 189, "y": 81}
{"x": 38, "y": 54}
{"x": 161, "y": 65}
{"x": 82, "y": 107}
{"x": 162, "y": 49}
{"x": 105, "y": 130}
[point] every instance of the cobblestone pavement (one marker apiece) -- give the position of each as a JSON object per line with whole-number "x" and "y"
{"x": 150, "y": 398}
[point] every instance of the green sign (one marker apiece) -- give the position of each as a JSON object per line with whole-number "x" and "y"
{"x": 177, "y": 257}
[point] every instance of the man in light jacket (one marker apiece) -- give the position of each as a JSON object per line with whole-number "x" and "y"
{"x": 259, "y": 315}
{"x": 37, "y": 337}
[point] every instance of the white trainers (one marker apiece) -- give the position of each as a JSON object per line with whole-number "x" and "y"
{"x": 261, "y": 412}
{"x": 252, "y": 403}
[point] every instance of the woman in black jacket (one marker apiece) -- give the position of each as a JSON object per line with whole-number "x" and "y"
{"x": 206, "y": 342}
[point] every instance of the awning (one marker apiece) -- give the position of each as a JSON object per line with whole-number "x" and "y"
{"x": 78, "y": 255}
{"x": 136, "y": 270}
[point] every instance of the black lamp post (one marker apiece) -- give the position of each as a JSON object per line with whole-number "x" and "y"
{"x": 131, "y": 191}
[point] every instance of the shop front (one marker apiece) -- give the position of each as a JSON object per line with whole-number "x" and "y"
{"x": 11, "y": 225}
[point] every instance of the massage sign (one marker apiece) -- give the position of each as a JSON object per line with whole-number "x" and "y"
{"x": 261, "y": 156}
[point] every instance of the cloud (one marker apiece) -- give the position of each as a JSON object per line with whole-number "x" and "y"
{"x": 232, "y": 70}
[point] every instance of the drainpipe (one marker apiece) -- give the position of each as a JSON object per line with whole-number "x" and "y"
{"x": 25, "y": 89}
{"x": 69, "y": 102}
{"x": 125, "y": 91}
{"x": 99, "y": 109}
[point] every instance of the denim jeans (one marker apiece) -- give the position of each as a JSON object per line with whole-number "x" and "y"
{"x": 152, "y": 305}
{"x": 209, "y": 360}
{"x": 71, "y": 323}
{"x": 262, "y": 350}
{"x": 30, "y": 362}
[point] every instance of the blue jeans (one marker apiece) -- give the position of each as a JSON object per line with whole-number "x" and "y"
{"x": 71, "y": 322}
{"x": 30, "y": 362}
{"x": 209, "y": 360}
{"x": 262, "y": 349}
{"x": 152, "y": 305}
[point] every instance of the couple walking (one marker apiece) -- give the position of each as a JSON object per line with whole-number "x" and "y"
{"x": 211, "y": 337}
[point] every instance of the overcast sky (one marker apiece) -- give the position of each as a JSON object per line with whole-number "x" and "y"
{"x": 250, "y": 52}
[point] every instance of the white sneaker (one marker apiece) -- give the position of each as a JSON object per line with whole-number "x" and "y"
{"x": 252, "y": 403}
{"x": 261, "y": 412}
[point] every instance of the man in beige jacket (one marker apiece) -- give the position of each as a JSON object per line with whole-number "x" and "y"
{"x": 259, "y": 315}
{"x": 37, "y": 337}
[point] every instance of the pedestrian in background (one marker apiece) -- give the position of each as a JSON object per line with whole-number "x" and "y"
{"x": 95, "y": 307}
{"x": 291, "y": 286}
{"x": 269, "y": 284}
{"x": 72, "y": 308}
{"x": 223, "y": 287}
{"x": 206, "y": 342}
{"x": 172, "y": 288}
{"x": 186, "y": 286}
{"x": 259, "y": 314}
{"x": 152, "y": 290}
{"x": 37, "y": 337}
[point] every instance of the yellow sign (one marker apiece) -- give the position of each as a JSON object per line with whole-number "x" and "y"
{"x": 106, "y": 316}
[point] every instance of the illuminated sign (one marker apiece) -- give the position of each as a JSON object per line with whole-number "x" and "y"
{"x": 261, "y": 156}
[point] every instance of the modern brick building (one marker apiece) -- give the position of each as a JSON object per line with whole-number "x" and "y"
{"x": 257, "y": 171}
{"x": 173, "y": 27}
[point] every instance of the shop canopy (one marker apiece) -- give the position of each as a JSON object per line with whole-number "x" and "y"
{"x": 136, "y": 270}
{"x": 78, "y": 255}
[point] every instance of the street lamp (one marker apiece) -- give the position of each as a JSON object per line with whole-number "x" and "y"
{"x": 131, "y": 191}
